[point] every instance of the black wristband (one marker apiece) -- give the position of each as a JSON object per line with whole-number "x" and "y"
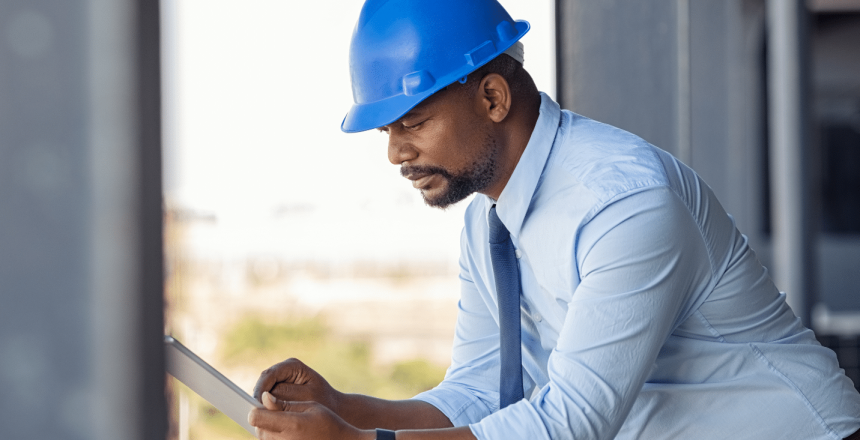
{"x": 384, "y": 434}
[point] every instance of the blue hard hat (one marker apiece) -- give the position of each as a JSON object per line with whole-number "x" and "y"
{"x": 403, "y": 51}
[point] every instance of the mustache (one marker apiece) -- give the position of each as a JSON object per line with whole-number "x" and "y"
{"x": 407, "y": 170}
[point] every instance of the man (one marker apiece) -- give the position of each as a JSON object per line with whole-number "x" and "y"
{"x": 638, "y": 310}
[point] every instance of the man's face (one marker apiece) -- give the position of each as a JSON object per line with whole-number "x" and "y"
{"x": 445, "y": 148}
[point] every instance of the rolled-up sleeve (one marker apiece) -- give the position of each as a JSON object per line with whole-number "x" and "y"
{"x": 469, "y": 391}
{"x": 641, "y": 260}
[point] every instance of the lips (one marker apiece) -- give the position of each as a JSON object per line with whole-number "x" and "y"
{"x": 417, "y": 175}
{"x": 423, "y": 176}
{"x": 423, "y": 181}
{"x": 419, "y": 178}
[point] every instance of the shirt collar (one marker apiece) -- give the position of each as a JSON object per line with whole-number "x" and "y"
{"x": 516, "y": 197}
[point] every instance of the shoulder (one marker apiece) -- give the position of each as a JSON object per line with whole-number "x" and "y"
{"x": 606, "y": 160}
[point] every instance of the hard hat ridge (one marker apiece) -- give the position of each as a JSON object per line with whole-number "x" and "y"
{"x": 403, "y": 51}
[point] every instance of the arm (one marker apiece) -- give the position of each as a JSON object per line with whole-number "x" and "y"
{"x": 370, "y": 412}
{"x": 294, "y": 381}
{"x": 283, "y": 420}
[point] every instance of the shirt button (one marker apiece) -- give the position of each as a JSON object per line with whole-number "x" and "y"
{"x": 537, "y": 317}
{"x": 518, "y": 254}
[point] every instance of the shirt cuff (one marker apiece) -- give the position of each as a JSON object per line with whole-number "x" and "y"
{"x": 518, "y": 420}
{"x": 459, "y": 405}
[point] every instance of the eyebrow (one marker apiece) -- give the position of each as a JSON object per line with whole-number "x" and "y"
{"x": 409, "y": 114}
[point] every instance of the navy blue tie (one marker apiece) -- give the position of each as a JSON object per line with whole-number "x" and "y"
{"x": 508, "y": 290}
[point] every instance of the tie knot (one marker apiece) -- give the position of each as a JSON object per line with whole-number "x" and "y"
{"x": 498, "y": 232}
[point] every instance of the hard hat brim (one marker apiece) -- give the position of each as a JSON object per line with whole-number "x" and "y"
{"x": 363, "y": 117}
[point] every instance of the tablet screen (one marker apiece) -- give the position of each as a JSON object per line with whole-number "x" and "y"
{"x": 209, "y": 383}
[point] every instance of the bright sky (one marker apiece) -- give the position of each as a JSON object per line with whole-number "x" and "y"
{"x": 255, "y": 91}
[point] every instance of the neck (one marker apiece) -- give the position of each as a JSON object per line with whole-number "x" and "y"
{"x": 514, "y": 134}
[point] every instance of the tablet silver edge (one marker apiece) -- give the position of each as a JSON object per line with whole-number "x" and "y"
{"x": 171, "y": 342}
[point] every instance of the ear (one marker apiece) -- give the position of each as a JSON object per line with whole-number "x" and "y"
{"x": 495, "y": 97}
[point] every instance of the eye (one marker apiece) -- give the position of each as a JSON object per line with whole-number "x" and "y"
{"x": 414, "y": 126}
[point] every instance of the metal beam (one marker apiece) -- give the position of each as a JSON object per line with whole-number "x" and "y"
{"x": 790, "y": 154}
{"x": 684, "y": 121}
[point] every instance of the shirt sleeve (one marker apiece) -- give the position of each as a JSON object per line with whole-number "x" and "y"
{"x": 641, "y": 259}
{"x": 470, "y": 391}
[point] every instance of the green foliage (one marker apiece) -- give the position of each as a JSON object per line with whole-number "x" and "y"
{"x": 251, "y": 336}
{"x": 417, "y": 375}
{"x": 345, "y": 363}
{"x": 206, "y": 422}
{"x": 219, "y": 423}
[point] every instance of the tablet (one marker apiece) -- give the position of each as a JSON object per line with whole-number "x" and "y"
{"x": 211, "y": 385}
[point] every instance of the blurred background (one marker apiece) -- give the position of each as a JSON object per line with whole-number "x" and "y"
{"x": 177, "y": 166}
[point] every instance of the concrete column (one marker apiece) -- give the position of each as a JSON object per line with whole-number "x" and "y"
{"x": 80, "y": 221}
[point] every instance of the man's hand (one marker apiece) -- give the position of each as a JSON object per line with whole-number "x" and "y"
{"x": 283, "y": 420}
{"x": 293, "y": 381}
{"x": 317, "y": 408}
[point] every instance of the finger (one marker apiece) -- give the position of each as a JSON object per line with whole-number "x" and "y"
{"x": 260, "y": 417}
{"x": 275, "y": 421}
{"x": 279, "y": 421}
{"x": 270, "y": 402}
{"x": 282, "y": 372}
{"x": 300, "y": 407}
{"x": 290, "y": 391}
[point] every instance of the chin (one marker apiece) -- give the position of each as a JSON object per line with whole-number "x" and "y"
{"x": 441, "y": 200}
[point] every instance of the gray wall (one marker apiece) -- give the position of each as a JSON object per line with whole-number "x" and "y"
{"x": 686, "y": 76}
{"x": 80, "y": 221}
{"x": 617, "y": 64}
{"x": 692, "y": 77}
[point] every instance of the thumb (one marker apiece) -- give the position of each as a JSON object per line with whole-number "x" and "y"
{"x": 271, "y": 403}
{"x": 289, "y": 419}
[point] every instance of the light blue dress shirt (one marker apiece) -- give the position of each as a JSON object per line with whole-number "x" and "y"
{"x": 645, "y": 314}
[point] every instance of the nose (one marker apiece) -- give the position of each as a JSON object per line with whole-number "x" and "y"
{"x": 399, "y": 151}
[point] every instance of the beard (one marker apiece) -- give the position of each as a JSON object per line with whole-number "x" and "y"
{"x": 476, "y": 177}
